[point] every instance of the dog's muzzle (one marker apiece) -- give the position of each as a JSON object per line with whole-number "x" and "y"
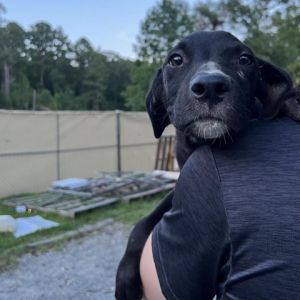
{"x": 207, "y": 129}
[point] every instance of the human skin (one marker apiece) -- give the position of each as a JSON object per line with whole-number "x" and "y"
{"x": 150, "y": 282}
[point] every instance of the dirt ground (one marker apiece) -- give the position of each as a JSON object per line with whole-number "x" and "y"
{"x": 84, "y": 269}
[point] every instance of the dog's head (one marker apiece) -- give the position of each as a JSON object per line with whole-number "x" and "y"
{"x": 209, "y": 84}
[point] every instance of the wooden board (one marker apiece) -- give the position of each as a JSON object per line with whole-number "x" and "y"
{"x": 70, "y": 203}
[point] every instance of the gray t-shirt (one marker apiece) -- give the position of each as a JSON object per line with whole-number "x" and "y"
{"x": 234, "y": 229}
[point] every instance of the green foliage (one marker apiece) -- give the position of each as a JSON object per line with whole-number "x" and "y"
{"x": 208, "y": 15}
{"x": 165, "y": 23}
{"x": 75, "y": 76}
{"x": 44, "y": 100}
{"x": 135, "y": 93}
{"x": 11, "y": 58}
{"x": 118, "y": 77}
{"x": 94, "y": 80}
{"x": 20, "y": 91}
{"x": 270, "y": 27}
{"x": 130, "y": 213}
{"x": 64, "y": 75}
{"x": 294, "y": 69}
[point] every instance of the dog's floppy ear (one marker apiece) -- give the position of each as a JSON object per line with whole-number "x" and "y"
{"x": 155, "y": 105}
{"x": 274, "y": 87}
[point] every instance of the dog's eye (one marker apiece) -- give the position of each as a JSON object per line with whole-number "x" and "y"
{"x": 176, "y": 60}
{"x": 245, "y": 59}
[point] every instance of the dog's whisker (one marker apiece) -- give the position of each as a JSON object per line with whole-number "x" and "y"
{"x": 229, "y": 135}
{"x": 224, "y": 138}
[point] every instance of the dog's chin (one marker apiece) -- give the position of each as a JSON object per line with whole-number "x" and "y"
{"x": 207, "y": 129}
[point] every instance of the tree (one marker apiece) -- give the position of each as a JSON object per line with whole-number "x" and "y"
{"x": 44, "y": 63}
{"x": 91, "y": 72}
{"x": 118, "y": 78}
{"x": 135, "y": 93}
{"x": 2, "y": 12}
{"x": 208, "y": 15}
{"x": 21, "y": 93}
{"x": 165, "y": 23}
{"x": 12, "y": 51}
{"x": 270, "y": 27}
{"x": 46, "y": 48}
{"x": 77, "y": 76}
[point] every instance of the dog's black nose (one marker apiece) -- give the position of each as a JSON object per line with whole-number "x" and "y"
{"x": 210, "y": 87}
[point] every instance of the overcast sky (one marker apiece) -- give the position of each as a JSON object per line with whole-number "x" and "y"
{"x": 108, "y": 24}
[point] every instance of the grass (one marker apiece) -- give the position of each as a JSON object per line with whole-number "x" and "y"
{"x": 11, "y": 248}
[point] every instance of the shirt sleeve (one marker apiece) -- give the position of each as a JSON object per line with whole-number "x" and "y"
{"x": 189, "y": 241}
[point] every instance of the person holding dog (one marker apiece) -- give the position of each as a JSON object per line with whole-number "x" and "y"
{"x": 233, "y": 230}
{"x": 230, "y": 227}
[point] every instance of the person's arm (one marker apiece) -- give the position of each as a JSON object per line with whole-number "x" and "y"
{"x": 128, "y": 279}
{"x": 150, "y": 282}
{"x": 183, "y": 256}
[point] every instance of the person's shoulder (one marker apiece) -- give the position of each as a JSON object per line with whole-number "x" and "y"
{"x": 201, "y": 156}
{"x": 262, "y": 141}
{"x": 273, "y": 126}
{"x": 200, "y": 164}
{"x": 269, "y": 133}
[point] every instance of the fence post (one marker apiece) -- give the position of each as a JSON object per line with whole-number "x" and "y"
{"x": 57, "y": 147}
{"x": 118, "y": 137}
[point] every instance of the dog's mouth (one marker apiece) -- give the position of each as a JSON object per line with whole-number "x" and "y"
{"x": 206, "y": 129}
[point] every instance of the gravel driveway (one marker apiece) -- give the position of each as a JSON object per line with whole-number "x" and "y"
{"x": 84, "y": 269}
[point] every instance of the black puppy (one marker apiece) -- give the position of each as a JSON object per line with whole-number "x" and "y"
{"x": 209, "y": 88}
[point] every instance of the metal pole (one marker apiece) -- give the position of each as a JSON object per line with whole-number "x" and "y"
{"x": 118, "y": 136}
{"x": 57, "y": 147}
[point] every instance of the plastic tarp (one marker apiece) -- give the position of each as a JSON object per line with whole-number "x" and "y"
{"x": 71, "y": 183}
{"x": 166, "y": 174}
{"x": 7, "y": 223}
{"x": 29, "y": 225}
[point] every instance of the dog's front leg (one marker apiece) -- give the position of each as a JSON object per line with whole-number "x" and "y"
{"x": 128, "y": 280}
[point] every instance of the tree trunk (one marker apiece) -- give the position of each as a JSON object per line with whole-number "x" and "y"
{"x": 6, "y": 71}
{"x": 42, "y": 77}
{"x": 34, "y": 99}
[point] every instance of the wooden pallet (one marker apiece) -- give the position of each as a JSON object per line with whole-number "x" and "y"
{"x": 70, "y": 203}
{"x": 165, "y": 153}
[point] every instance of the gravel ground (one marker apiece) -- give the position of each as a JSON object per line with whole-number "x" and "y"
{"x": 83, "y": 269}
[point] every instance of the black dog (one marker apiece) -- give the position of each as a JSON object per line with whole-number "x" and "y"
{"x": 210, "y": 86}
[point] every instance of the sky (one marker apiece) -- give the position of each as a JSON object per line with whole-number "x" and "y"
{"x": 107, "y": 24}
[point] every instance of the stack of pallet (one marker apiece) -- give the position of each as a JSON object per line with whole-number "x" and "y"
{"x": 70, "y": 197}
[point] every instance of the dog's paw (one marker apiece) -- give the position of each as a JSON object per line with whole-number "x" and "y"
{"x": 128, "y": 283}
